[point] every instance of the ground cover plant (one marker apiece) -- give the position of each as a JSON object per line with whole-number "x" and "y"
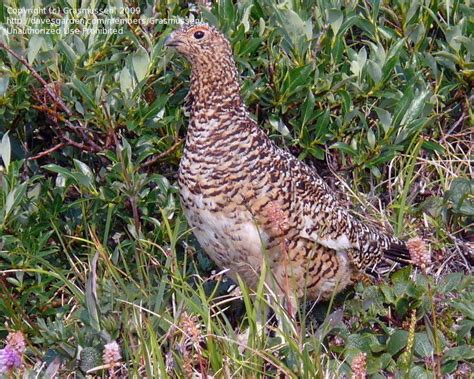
{"x": 100, "y": 275}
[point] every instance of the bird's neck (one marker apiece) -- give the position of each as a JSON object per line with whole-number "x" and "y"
{"x": 215, "y": 90}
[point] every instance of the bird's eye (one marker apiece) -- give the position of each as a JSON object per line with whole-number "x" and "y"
{"x": 199, "y": 34}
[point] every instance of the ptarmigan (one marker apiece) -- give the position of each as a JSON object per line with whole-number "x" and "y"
{"x": 248, "y": 201}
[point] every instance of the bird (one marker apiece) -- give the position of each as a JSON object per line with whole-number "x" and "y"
{"x": 253, "y": 206}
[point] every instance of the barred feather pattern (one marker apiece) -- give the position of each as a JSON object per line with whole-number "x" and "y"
{"x": 234, "y": 180}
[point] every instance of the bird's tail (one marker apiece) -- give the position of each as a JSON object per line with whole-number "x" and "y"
{"x": 397, "y": 251}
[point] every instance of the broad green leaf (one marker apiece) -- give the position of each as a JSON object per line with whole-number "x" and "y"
{"x": 360, "y": 342}
{"x": 140, "y": 61}
{"x": 450, "y": 282}
{"x": 461, "y": 194}
{"x": 68, "y": 51}
{"x": 415, "y": 108}
{"x": 362, "y": 57}
{"x": 355, "y": 68}
{"x": 344, "y": 147}
{"x": 34, "y": 46}
{"x": 397, "y": 341}
{"x": 280, "y": 126}
{"x": 371, "y": 138}
{"x": 423, "y": 346}
{"x": 461, "y": 353}
{"x": 335, "y": 19}
{"x": 57, "y": 169}
{"x": 358, "y": 64}
{"x": 126, "y": 81}
{"x": 84, "y": 169}
{"x": 13, "y": 198}
{"x": 294, "y": 25}
{"x": 418, "y": 372}
{"x": 84, "y": 91}
{"x": 385, "y": 118}
{"x": 452, "y": 35}
{"x": 374, "y": 71}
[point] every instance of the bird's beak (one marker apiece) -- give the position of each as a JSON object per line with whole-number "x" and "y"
{"x": 171, "y": 40}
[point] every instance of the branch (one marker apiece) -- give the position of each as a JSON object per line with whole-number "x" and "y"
{"x": 164, "y": 154}
{"x": 47, "y": 152}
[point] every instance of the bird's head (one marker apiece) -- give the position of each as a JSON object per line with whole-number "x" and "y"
{"x": 200, "y": 43}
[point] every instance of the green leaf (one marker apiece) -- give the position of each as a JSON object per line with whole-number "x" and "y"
{"x": 374, "y": 71}
{"x": 359, "y": 342}
{"x": 140, "y": 61}
{"x": 126, "y": 82}
{"x": 452, "y": 35}
{"x": 402, "y": 276}
{"x": 418, "y": 372}
{"x": 344, "y": 147}
{"x": 13, "y": 198}
{"x": 362, "y": 57}
{"x": 91, "y": 295}
{"x": 460, "y": 353}
{"x": 245, "y": 18}
{"x": 450, "y": 282}
{"x": 4, "y": 85}
{"x": 34, "y": 46}
{"x": 423, "y": 346}
{"x": 465, "y": 308}
{"x": 461, "y": 194}
{"x": 433, "y": 147}
{"x": 280, "y": 126}
{"x": 397, "y": 341}
{"x": 5, "y": 151}
{"x": 84, "y": 91}
{"x": 322, "y": 124}
{"x": 294, "y": 26}
{"x": 78, "y": 177}
{"x": 68, "y": 51}
{"x": 84, "y": 169}
{"x": 371, "y": 138}
{"x": 415, "y": 108}
{"x": 57, "y": 169}
{"x": 335, "y": 19}
{"x": 385, "y": 118}
{"x": 308, "y": 108}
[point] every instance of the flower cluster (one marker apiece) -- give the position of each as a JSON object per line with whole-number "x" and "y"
{"x": 359, "y": 366}
{"x": 419, "y": 254}
{"x": 112, "y": 357}
{"x": 11, "y": 355}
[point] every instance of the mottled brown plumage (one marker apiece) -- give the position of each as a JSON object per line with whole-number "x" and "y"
{"x": 248, "y": 200}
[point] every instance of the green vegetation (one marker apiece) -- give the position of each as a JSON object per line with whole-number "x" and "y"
{"x": 94, "y": 247}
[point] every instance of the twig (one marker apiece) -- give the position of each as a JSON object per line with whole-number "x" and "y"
{"x": 47, "y": 152}
{"x": 162, "y": 155}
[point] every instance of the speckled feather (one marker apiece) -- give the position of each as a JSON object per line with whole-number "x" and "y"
{"x": 248, "y": 200}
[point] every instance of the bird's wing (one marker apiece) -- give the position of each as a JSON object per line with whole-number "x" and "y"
{"x": 325, "y": 221}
